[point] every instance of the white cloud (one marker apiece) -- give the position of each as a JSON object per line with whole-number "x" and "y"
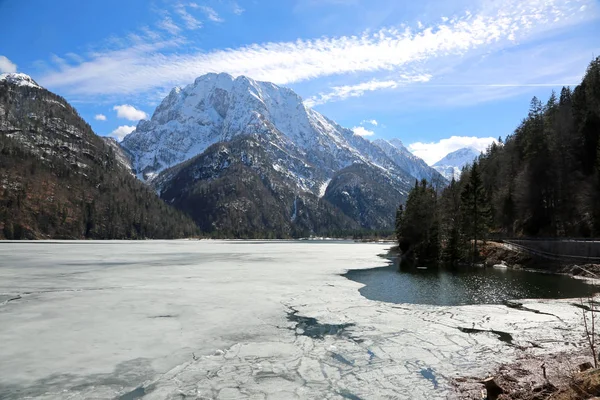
{"x": 190, "y": 22}
{"x": 168, "y": 25}
{"x": 210, "y": 13}
{"x": 122, "y": 131}
{"x": 357, "y": 90}
{"x": 237, "y": 10}
{"x": 371, "y": 122}
{"x": 150, "y": 34}
{"x": 142, "y": 67}
{"x": 130, "y": 112}
{"x": 361, "y": 131}
{"x": 7, "y": 66}
{"x": 75, "y": 57}
{"x": 432, "y": 152}
{"x": 100, "y": 117}
{"x": 59, "y": 61}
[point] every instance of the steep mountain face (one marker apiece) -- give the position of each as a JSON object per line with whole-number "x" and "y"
{"x": 253, "y": 136}
{"x": 122, "y": 156}
{"x": 217, "y": 108}
{"x": 59, "y": 180}
{"x": 232, "y": 189}
{"x": 403, "y": 158}
{"x": 367, "y": 195}
{"x": 452, "y": 165}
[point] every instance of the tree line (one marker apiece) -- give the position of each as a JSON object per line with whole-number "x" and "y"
{"x": 543, "y": 180}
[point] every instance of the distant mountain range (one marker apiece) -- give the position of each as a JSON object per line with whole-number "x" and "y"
{"x": 242, "y": 158}
{"x": 452, "y": 164}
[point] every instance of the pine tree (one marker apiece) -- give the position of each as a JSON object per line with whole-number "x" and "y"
{"x": 399, "y": 215}
{"x": 451, "y": 230}
{"x": 475, "y": 209}
{"x": 418, "y": 231}
{"x": 565, "y": 96}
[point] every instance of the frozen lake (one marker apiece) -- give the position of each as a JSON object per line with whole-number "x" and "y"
{"x": 237, "y": 320}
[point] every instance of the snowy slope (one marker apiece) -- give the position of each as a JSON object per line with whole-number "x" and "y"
{"x": 415, "y": 166}
{"x": 452, "y": 164}
{"x": 19, "y": 80}
{"x": 218, "y": 108}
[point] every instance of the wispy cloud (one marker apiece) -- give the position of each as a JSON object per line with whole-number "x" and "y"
{"x": 370, "y": 122}
{"x": 237, "y": 10}
{"x": 100, "y": 117}
{"x": 129, "y": 112}
{"x": 209, "y": 12}
{"x": 395, "y": 51}
{"x": 522, "y": 71}
{"x": 435, "y": 151}
{"x": 122, "y": 131}
{"x": 344, "y": 92}
{"x": 7, "y": 66}
{"x": 168, "y": 25}
{"x": 190, "y": 21}
{"x": 362, "y": 131}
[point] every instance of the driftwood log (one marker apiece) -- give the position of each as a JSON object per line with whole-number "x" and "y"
{"x": 492, "y": 388}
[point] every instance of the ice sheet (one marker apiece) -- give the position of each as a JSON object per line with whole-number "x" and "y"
{"x": 239, "y": 319}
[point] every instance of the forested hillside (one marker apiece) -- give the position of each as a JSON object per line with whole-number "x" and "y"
{"x": 60, "y": 180}
{"x": 541, "y": 181}
{"x": 544, "y": 180}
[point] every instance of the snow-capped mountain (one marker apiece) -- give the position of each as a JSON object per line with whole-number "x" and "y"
{"x": 415, "y": 166}
{"x": 217, "y": 108}
{"x": 19, "y": 79}
{"x": 452, "y": 164}
{"x": 237, "y": 130}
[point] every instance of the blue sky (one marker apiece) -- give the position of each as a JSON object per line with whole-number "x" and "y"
{"x": 438, "y": 74}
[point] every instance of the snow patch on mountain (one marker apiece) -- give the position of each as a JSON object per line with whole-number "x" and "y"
{"x": 19, "y": 79}
{"x": 323, "y": 188}
{"x": 452, "y": 164}
{"x": 413, "y": 165}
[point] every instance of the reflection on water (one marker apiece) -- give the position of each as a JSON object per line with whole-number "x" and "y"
{"x": 467, "y": 286}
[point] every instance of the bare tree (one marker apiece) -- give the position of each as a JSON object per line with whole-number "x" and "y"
{"x": 590, "y": 328}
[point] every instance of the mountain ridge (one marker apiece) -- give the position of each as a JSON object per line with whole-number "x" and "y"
{"x": 451, "y": 165}
{"x": 61, "y": 180}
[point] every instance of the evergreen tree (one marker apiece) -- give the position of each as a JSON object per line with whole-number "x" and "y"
{"x": 475, "y": 210}
{"x": 418, "y": 226}
{"x": 451, "y": 230}
{"x": 399, "y": 215}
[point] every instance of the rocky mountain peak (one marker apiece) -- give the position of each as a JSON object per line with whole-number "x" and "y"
{"x": 236, "y": 144}
{"x": 459, "y": 158}
{"x": 19, "y": 79}
{"x": 452, "y": 164}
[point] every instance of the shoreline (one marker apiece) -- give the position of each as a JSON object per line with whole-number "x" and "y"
{"x": 523, "y": 378}
{"x": 496, "y": 255}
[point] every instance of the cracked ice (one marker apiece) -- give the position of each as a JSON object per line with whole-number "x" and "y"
{"x": 240, "y": 319}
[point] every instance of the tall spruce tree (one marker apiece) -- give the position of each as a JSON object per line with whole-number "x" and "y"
{"x": 450, "y": 224}
{"x": 475, "y": 210}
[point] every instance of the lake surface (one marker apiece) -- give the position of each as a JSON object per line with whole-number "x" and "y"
{"x": 468, "y": 286}
{"x": 257, "y": 320}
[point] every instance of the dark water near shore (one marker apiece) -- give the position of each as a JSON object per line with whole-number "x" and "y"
{"x": 467, "y": 286}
